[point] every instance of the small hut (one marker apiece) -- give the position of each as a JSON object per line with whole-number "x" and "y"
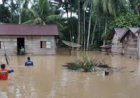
{"x": 129, "y": 42}
{"x": 125, "y": 41}
{"x": 136, "y": 31}
{"x": 35, "y": 39}
{"x": 116, "y": 44}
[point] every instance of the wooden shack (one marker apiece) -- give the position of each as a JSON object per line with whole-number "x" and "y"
{"x": 116, "y": 44}
{"x": 125, "y": 41}
{"x": 129, "y": 42}
{"x": 35, "y": 39}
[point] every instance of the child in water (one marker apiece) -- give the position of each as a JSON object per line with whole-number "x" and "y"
{"x": 4, "y": 72}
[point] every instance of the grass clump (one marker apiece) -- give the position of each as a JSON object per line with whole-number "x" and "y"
{"x": 86, "y": 65}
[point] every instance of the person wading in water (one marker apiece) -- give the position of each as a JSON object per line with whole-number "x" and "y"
{"x": 4, "y": 72}
{"x": 28, "y": 62}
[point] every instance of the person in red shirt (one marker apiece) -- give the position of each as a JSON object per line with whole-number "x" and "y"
{"x": 4, "y": 72}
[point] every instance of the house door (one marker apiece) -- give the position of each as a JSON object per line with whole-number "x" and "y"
{"x": 20, "y": 46}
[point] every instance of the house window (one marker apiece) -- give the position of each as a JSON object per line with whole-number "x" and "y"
{"x": 45, "y": 44}
{"x": 42, "y": 44}
{"x": 48, "y": 44}
{"x": 0, "y": 44}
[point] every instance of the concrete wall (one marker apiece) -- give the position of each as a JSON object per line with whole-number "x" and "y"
{"x": 32, "y": 45}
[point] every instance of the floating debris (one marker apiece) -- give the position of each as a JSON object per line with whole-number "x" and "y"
{"x": 132, "y": 71}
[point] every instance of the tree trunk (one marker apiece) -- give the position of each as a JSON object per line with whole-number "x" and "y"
{"x": 20, "y": 11}
{"x": 93, "y": 33}
{"x": 138, "y": 46}
{"x": 89, "y": 27}
{"x": 79, "y": 31}
{"x": 84, "y": 33}
{"x": 19, "y": 21}
{"x": 71, "y": 35}
{"x": 104, "y": 41}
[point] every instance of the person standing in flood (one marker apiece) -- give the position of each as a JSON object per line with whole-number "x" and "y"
{"x": 4, "y": 72}
{"x": 22, "y": 51}
{"x": 29, "y": 62}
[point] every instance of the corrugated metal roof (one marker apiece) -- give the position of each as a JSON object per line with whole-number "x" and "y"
{"x": 27, "y": 30}
{"x": 120, "y": 32}
{"x": 135, "y": 30}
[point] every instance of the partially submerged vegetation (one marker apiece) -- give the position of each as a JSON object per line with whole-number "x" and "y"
{"x": 85, "y": 65}
{"x": 91, "y": 65}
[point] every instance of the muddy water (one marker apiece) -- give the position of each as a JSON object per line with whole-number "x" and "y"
{"x": 48, "y": 79}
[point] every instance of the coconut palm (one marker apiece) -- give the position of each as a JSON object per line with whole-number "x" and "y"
{"x": 38, "y": 12}
{"x": 111, "y": 8}
{"x": 21, "y": 5}
{"x": 103, "y": 9}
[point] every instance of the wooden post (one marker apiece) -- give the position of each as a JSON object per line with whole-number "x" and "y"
{"x": 138, "y": 45}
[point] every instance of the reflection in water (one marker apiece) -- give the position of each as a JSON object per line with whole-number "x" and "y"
{"x": 48, "y": 79}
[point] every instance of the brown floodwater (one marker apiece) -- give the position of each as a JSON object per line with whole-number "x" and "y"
{"x": 48, "y": 79}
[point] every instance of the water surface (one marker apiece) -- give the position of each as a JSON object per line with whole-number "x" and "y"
{"x": 48, "y": 79}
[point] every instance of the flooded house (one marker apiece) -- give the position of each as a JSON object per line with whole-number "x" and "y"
{"x": 34, "y": 39}
{"x": 125, "y": 41}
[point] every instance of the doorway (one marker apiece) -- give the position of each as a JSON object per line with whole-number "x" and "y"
{"x": 20, "y": 46}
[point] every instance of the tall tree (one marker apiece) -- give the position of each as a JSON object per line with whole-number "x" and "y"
{"x": 135, "y": 5}
{"x": 79, "y": 23}
{"x": 108, "y": 9}
{"x": 4, "y": 14}
{"x": 39, "y": 11}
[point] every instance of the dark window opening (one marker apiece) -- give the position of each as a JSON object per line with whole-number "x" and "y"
{"x": 42, "y": 44}
{"x": 20, "y": 46}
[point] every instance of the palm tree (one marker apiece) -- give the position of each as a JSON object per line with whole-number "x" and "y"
{"x": 38, "y": 12}
{"x": 21, "y": 5}
{"x": 111, "y": 8}
{"x": 102, "y": 10}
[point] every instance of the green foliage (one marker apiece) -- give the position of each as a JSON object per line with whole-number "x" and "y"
{"x": 38, "y": 12}
{"x": 126, "y": 20}
{"x": 4, "y": 14}
{"x": 85, "y": 65}
{"x": 88, "y": 64}
{"x": 116, "y": 13}
{"x": 51, "y": 19}
{"x": 135, "y": 5}
{"x": 69, "y": 29}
